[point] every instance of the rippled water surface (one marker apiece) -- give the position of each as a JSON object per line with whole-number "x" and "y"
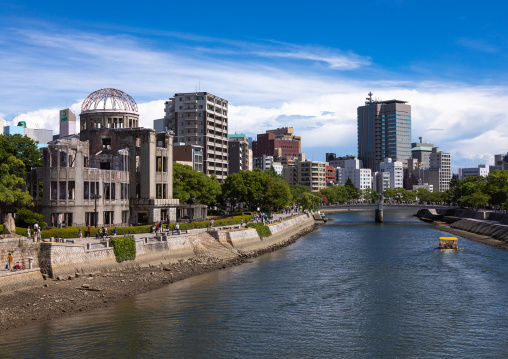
{"x": 351, "y": 289}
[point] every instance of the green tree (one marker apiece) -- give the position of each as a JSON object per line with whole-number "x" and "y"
{"x": 12, "y": 195}
{"x": 24, "y": 149}
{"x": 278, "y": 193}
{"x": 310, "y": 201}
{"x": 497, "y": 187}
{"x": 369, "y": 194}
{"x": 297, "y": 192}
{"x": 354, "y": 193}
{"x": 246, "y": 186}
{"x": 25, "y": 218}
{"x": 188, "y": 183}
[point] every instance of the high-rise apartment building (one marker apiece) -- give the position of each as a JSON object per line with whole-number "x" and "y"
{"x": 384, "y": 130}
{"x": 200, "y": 118}
{"x": 440, "y": 172}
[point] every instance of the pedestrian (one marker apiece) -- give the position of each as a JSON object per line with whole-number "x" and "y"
{"x": 177, "y": 227}
{"x": 38, "y": 234}
{"x": 114, "y": 231}
{"x": 9, "y": 261}
{"x": 36, "y": 227}
{"x": 211, "y": 224}
{"x": 80, "y": 232}
{"x": 28, "y": 232}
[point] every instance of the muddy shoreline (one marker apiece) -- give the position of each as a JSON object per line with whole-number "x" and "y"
{"x": 58, "y": 299}
{"x": 471, "y": 236}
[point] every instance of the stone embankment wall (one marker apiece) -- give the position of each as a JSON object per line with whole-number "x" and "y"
{"x": 21, "y": 249}
{"x": 494, "y": 230}
{"x": 20, "y": 280}
{"x": 66, "y": 259}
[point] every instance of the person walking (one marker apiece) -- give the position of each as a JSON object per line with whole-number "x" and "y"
{"x": 80, "y": 232}
{"x": 28, "y": 232}
{"x": 9, "y": 261}
{"x": 177, "y": 227}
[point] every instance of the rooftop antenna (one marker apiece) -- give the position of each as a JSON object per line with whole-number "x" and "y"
{"x": 370, "y": 97}
{"x": 421, "y": 139}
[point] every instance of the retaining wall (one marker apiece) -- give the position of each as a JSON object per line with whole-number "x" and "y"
{"x": 67, "y": 259}
{"x": 19, "y": 280}
{"x": 494, "y": 230}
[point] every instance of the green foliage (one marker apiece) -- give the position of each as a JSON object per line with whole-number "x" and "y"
{"x": 11, "y": 193}
{"x": 124, "y": 248}
{"x": 480, "y": 191}
{"x": 188, "y": 183}
{"x": 310, "y": 201}
{"x": 22, "y": 148}
{"x": 254, "y": 188}
{"x": 354, "y": 193}
{"x": 297, "y": 192}
{"x": 336, "y": 194}
{"x": 263, "y": 231}
{"x": 25, "y": 218}
{"x": 369, "y": 194}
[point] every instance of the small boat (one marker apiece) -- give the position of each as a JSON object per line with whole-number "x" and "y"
{"x": 448, "y": 243}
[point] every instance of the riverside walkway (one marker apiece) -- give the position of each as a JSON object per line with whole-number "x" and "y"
{"x": 372, "y": 206}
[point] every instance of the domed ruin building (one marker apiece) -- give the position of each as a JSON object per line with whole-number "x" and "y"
{"x": 114, "y": 173}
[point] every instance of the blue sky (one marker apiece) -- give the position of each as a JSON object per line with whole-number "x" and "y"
{"x": 279, "y": 63}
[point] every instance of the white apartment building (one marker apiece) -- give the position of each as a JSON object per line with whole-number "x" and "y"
{"x": 395, "y": 169}
{"x": 381, "y": 181}
{"x": 266, "y": 162}
{"x": 361, "y": 177}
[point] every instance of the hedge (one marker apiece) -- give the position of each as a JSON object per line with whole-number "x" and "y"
{"x": 73, "y": 232}
{"x": 263, "y": 231}
{"x": 124, "y": 248}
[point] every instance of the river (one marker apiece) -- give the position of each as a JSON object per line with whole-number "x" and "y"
{"x": 351, "y": 289}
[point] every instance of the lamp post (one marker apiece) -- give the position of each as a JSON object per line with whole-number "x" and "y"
{"x": 95, "y": 197}
{"x": 189, "y": 201}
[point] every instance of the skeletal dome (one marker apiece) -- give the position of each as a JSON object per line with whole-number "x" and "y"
{"x": 109, "y": 99}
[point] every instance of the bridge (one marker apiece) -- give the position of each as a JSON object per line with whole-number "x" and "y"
{"x": 379, "y": 208}
{"x": 372, "y": 206}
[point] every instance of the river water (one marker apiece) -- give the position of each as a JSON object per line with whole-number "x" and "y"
{"x": 351, "y": 289}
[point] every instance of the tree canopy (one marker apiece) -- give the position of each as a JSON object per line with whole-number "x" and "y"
{"x": 24, "y": 149}
{"x": 188, "y": 183}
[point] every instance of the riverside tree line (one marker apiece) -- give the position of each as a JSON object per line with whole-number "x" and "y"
{"x": 246, "y": 189}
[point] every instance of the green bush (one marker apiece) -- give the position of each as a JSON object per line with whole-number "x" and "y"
{"x": 263, "y": 231}
{"x": 124, "y": 248}
{"x": 26, "y": 217}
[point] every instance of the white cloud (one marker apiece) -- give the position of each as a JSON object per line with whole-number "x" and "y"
{"x": 466, "y": 121}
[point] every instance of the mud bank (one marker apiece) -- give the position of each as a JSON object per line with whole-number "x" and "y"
{"x": 83, "y": 292}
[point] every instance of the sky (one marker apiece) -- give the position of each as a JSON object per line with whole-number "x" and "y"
{"x": 308, "y": 65}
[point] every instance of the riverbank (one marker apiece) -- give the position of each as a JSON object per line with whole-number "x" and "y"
{"x": 471, "y": 236}
{"x": 81, "y": 293}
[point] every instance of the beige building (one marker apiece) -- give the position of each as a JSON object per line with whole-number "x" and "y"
{"x": 200, "y": 118}
{"x": 311, "y": 174}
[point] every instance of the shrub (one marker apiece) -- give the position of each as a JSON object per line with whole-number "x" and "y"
{"x": 124, "y": 248}
{"x": 263, "y": 231}
{"x": 25, "y": 218}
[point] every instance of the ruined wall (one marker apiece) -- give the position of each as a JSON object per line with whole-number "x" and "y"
{"x": 21, "y": 250}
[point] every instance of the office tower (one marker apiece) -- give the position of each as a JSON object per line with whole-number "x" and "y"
{"x": 200, "y": 118}
{"x": 384, "y": 130}
{"x": 280, "y": 143}
{"x": 67, "y": 123}
{"x": 481, "y": 170}
{"x": 238, "y": 153}
{"x": 440, "y": 171}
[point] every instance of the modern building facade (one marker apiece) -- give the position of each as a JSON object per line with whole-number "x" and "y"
{"x": 190, "y": 155}
{"x": 384, "y": 130}
{"x": 264, "y": 163}
{"x": 200, "y": 118}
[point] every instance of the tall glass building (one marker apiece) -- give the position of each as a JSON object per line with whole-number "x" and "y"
{"x": 384, "y": 130}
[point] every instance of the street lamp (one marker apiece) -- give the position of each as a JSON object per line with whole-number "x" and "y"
{"x": 189, "y": 201}
{"x": 95, "y": 197}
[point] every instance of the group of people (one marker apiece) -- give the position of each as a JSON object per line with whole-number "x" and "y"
{"x": 36, "y": 232}
{"x": 9, "y": 265}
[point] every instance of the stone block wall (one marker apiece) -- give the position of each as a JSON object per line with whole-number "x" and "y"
{"x": 20, "y": 280}
{"x": 496, "y": 231}
{"x": 21, "y": 250}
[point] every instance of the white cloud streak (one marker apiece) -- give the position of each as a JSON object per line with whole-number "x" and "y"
{"x": 42, "y": 71}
